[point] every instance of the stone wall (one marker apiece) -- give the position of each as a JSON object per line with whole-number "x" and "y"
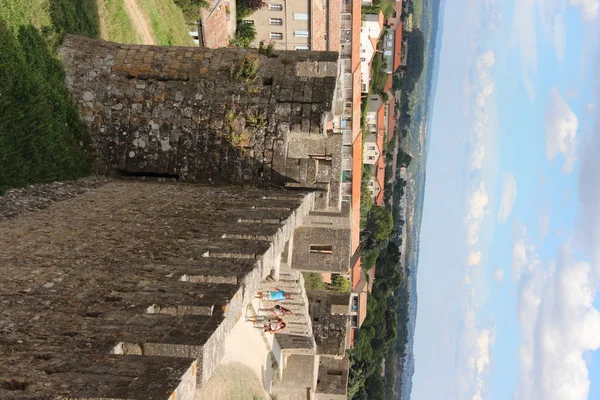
{"x": 323, "y": 229}
{"x": 142, "y": 271}
{"x": 330, "y": 329}
{"x": 332, "y": 381}
{"x": 202, "y": 115}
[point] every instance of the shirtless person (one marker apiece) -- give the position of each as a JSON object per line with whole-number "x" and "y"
{"x": 278, "y": 310}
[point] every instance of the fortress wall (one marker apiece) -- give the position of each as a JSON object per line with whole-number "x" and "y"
{"x": 207, "y": 115}
{"x": 147, "y": 272}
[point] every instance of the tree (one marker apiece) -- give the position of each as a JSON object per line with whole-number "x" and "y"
{"x": 246, "y": 7}
{"x": 244, "y": 35}
{"x": 340, "y": 284}
{"x": 380, "y": 223}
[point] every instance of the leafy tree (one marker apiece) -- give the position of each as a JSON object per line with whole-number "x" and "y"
{"x": 244, "y": 8}
{"x": 244, "y": 35}
{"x": 191, "y": 8}
{"x": 380, "y": 223}
{"x": 340, "y": 284}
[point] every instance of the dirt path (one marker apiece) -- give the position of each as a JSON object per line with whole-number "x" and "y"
{"x": 139, "y": 21}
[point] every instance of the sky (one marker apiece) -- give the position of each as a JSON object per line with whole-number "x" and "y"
{"x": 509, "y": 262}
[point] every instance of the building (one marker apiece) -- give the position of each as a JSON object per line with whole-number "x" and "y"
{"x": 298, "y": 24}
{"x": 370, "y": 31}
{"x": 373, "y": 148}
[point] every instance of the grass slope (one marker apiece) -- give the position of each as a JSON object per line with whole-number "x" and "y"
{"x": 115, "y": 24}
{"x": 169, "y": 26}
{"x": 41, "y": 135}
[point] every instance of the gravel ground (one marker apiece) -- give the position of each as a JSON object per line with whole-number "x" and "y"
{"x": 36, "y": 197}
{"x": 233, "y": 381}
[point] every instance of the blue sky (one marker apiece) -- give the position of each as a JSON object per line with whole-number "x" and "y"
{"x": 509, "y": 261}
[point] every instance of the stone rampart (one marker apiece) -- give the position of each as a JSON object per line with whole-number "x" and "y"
{"x": 209, "y": 115}
{"x": 128, "y": 291}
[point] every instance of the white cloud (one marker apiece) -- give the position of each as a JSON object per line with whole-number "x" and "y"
{"x": 477, "y": 156}
{"x": 561, "y": 130}
{"x": 558, "y": 324}
{"x": 589, "y": 8}
{"x": 475, "y": 350}
{"x": 477, "y": 211}
{"x": 524, "y": 255}
{"x": 499, "y": 275}
{"x": 590, "y": 107}
{"x": 486, "y": 59}
{"x": 507, "y": 200}
{"x": 474, "y": 259}
{"x": 478, "y": 202}
{"x": 525, "y": 37}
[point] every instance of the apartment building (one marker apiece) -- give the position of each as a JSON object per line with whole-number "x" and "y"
{"x": 298, "y": 24}
{"x": 370, "y": 31}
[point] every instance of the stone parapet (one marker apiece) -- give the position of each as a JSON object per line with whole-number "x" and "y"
{"x": 208, "y": 115}
{"x": 141, "y": 271}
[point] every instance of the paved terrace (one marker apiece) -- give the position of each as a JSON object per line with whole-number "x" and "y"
{"x": 129, "y": 291}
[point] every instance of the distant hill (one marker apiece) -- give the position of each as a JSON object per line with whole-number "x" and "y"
{"x": 430, "y": 25}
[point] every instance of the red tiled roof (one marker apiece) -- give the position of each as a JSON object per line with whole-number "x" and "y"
{"x": 334, "y": 35}
{"x": 393, "y": 21}
{"x": 397, "y": 47}
{"x": 388, "y": 83}
{"x": 215, "y": 25}
{"x": 356, "y": 274}
{"x": 362, "y": 307}
{"x": 391, "y": 119}
{"x": 352, "y": 332}
{"x": 356, "y": 129}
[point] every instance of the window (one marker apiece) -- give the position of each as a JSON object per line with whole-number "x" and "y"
{"x": 276, "y": 35}
{"x": 302, "y": 48}
{"x": 371, "y": 148}
{"x": 301, "y": 16}
{"x": 371, "y": 183}
{"x": 275, "y": 21}
{"x": 301, "y": 33}
{"x": 248, "y": 21}
{"x": 321, "y": 249}
{"x": 371, "y": 158}
{"x": 363, "y": 59}
{"x": 276, "y": 7}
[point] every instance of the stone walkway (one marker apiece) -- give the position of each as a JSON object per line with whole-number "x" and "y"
{"x": 233, "y": 381}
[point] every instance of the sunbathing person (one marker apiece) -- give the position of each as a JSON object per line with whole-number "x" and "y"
{"x": 274, "y": 295}
{"x": 278, "y": 310}
{"x": 274, "y": 327}
{"x": 263, "y": 319}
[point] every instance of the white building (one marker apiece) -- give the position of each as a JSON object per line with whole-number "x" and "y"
{"x": 370, "y": 31}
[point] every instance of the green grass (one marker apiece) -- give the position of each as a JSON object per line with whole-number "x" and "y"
{"x": 42, "y": 138}
{"x": 169, "y": 26}
{"x": 417, "y": 13}
{"x": 117, "y": 26}
{"x": 313, "y": 281}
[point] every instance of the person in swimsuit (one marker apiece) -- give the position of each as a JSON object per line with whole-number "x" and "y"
{"x": 278, "y": 310}
{"x": 274, "y": 295}
{"x": 263, "y": 319}
{"x": 273, "y": 327}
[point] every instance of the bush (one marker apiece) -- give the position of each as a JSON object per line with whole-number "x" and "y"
{"x": 191, "y": 8}
{"x": 244, "y": 35}
{"x": 313, "y": 281}
{"x": 246, "y": 7}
